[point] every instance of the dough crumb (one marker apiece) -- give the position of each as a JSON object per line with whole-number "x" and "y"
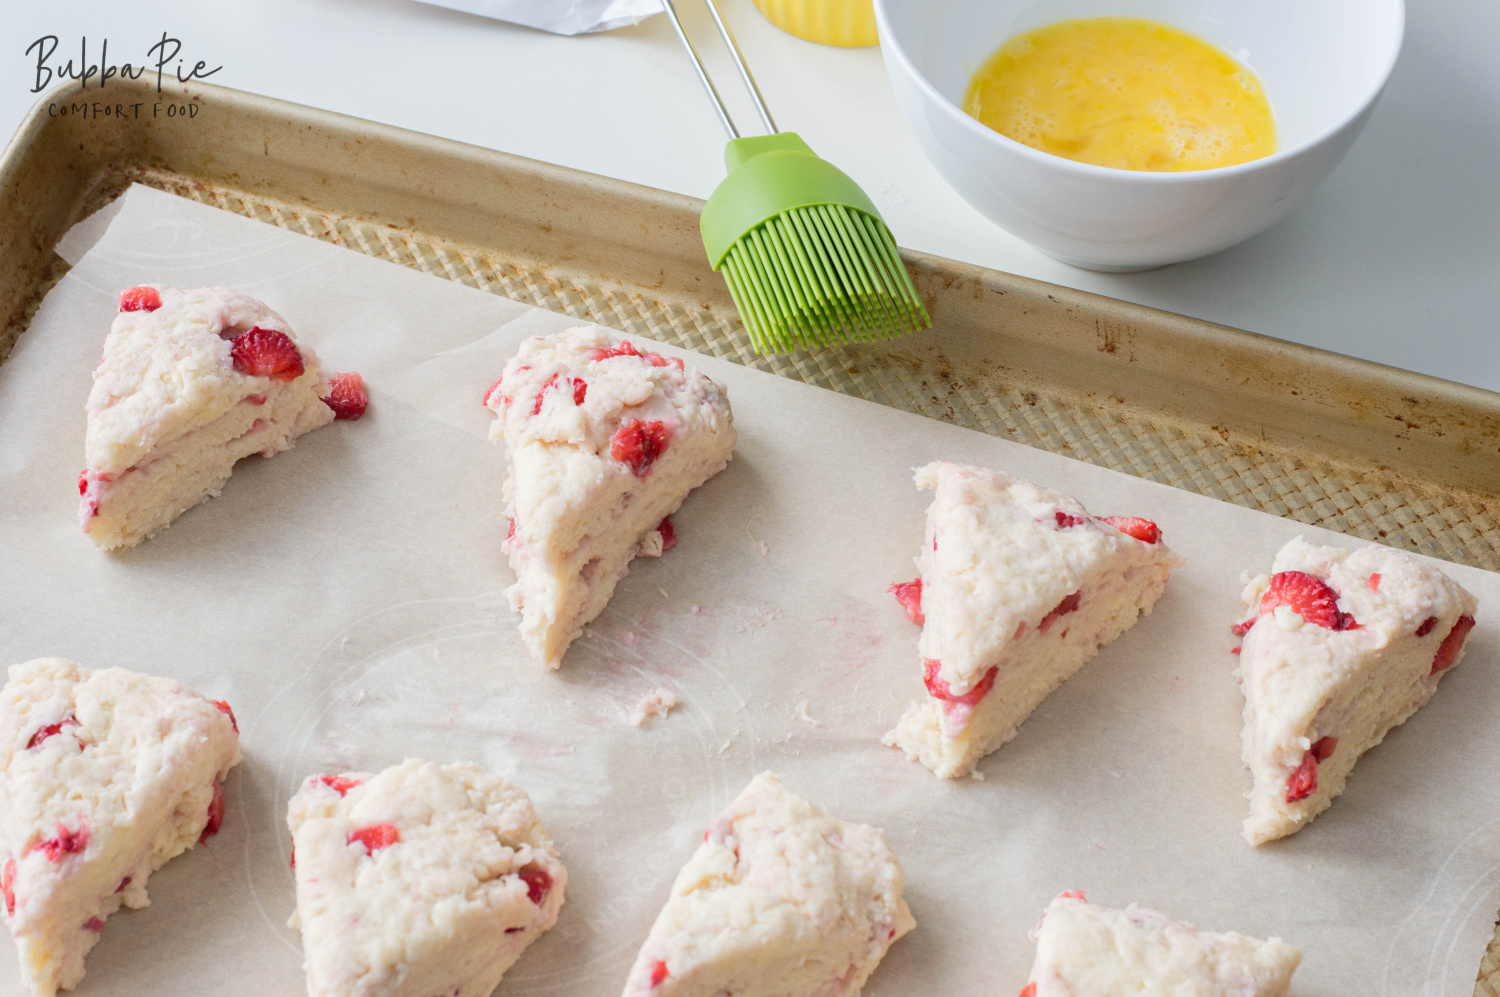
{"x": 656, "y": 704}
{"x": 977, "y": 775}
{"x": 803, "y": 716}
{"x": 764, "y": 550}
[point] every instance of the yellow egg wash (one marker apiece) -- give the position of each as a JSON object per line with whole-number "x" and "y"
{"x": 1126, "y": 93}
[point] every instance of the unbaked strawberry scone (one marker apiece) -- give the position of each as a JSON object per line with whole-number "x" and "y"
{"x": 1018, "y": 587}
{"x": 191, "y": 382}
{"x": 1083, "y": 950}
{"x": 424, "y": 879}
{"x": 780, "y": 900}
{"x": 604, "y": 443}
{"x": 1339, "y": 647}
{"x": 104, "y": 777}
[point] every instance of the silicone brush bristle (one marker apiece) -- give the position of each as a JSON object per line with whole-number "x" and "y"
{"x": 817, "y": 276}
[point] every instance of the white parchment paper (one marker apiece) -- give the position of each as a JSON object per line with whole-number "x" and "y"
{"x": 346, "y": 598}
{"x": 561, "y": 17}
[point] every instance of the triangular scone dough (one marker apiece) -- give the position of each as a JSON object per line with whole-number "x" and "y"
{"x": 780, "y": 900}
{"x": 104, "y": 776}
{"x": 1340, "y": 646}
{"x": 604, "y": 444}
{"x": 170, "y": 413}
{"x": 1083, "y": 950}
{"x": 1019, "y": 587}
{"x": 425, "y": 879}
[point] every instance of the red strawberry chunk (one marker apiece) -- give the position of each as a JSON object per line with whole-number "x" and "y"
{"x": 123, "y": 883}
{"x": 1068, "y": 605}
{"x": 657, "y": 360}
{"x": 668, "y": 534}
{"x": 1426, "y": 627}
{"x": 1452, "y": 645}
{"x": 580, "y": 392}
{"x": 909, "y": 594}
{"x": 1073, "y": 895}
{"x": 8, "y": 884}
{"x": 267, "y": 353}
{"x": 1065, "y": 520}
{"x": 48, "y": 730}
{"x": 538, "y": 885}
{"x": 491, "y": 393}
{"x": 1241, "y": 628}
{"x": 224, "y": 708}
{"x": 65, "y": 841}
{"x": 1236, "y": 649}
{"x": 83, "y": 481}
{"x": 625, "y": 349}
{"x": 640, "y": 444}
{"x": 338, "y": 783}
{"x": 938, "y": 689}
{"x": 93, "y": 924}
{"x": 1323, "y": 747}
{"x": 1308, "y": 597}
{"x": 1029, "y": 990}
{"x": 1304, "y": 780}
{"x": 1142, "y": 529}
{"x": 375, "y": 837}
{"x": 348, "y": 399}
{"x": 1374, "y": 582}
{"x": 140, "y": 299}
{"x": 215, "y": 814}
{"x": 659, "y": 972}
{"x": 510, "y": 529}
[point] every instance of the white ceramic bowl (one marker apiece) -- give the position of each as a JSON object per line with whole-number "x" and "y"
{"x": 1323, "y": 64}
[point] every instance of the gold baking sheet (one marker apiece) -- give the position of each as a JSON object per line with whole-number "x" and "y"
{"x": 1381, "y": 454}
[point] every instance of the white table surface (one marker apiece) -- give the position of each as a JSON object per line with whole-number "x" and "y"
{"x": 1396, "y": 258}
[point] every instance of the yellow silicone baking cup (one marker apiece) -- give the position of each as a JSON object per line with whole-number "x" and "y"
{"x": 846, "y": 23}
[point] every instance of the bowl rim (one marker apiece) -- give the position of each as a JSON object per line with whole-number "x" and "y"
{"x": 889, "y": 42}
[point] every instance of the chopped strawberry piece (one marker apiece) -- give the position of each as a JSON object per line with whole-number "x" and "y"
{"x": 640, "y": 444}
{"x": 659, "y": 972}
{"x": 83, "y": 481}
{"x": 348, "y": 399}
{"x": 1029, "y": 990}
{"x": 538, "y": 885}
{"x": 140, "y": 299}
{"x": 657, "y": 360}
{"x": 1142, "y": 529}
{"x": 215, "y": 814}
{"x": 1308, "y": 597}
{"x": 1374, "y": 582}
{"x": 123, "y": 883}
{"x": 1241, "y": 628}
{"x": 48, "y": 730}
{"x": 512, "y": 931}
{"x": 338, "y": 783}
{"x": 267, "y": 353}
{"x": 1236, "y": 649}
{"x": 1452, "y": 645}
{"x": 909, "y": 594}
{"x": 1304, "y": 781}
{"x": 225, "y": 709}
{"x": 625, "y": 349}
{"x": 376, "y": 837}
{"x": 8, "y": 884}
{"x": 668, "y": 533}
{"x": 510, "y": 529}
{"x": 1426, "y": 627}
{"x": 491, "y": 393}
{"x": 1348, "y": 622}
{"x": 93, "y": 924}
{"x": 580, "y": 392}
{"x": 65, "y": 841}
{"x": 938, "y": 689}
{"x": 1068, "y": 605}
{"x": 1065, "y": 520}
{"x": 256, "y": 399}
{"x": 1323, "y": 747}
{"x": 1073, "y": 894}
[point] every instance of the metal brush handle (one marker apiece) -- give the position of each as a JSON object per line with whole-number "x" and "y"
{"x": 739, "y": 62}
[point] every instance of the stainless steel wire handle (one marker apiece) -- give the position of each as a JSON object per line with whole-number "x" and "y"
{"x": 739, "y": 62}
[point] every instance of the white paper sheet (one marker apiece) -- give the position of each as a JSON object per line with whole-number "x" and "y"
{"x": 346, "y": 598}
{"x": 574, "y": 17}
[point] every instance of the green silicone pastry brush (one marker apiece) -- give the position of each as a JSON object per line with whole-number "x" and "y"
{"x": 808, "y": 259}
